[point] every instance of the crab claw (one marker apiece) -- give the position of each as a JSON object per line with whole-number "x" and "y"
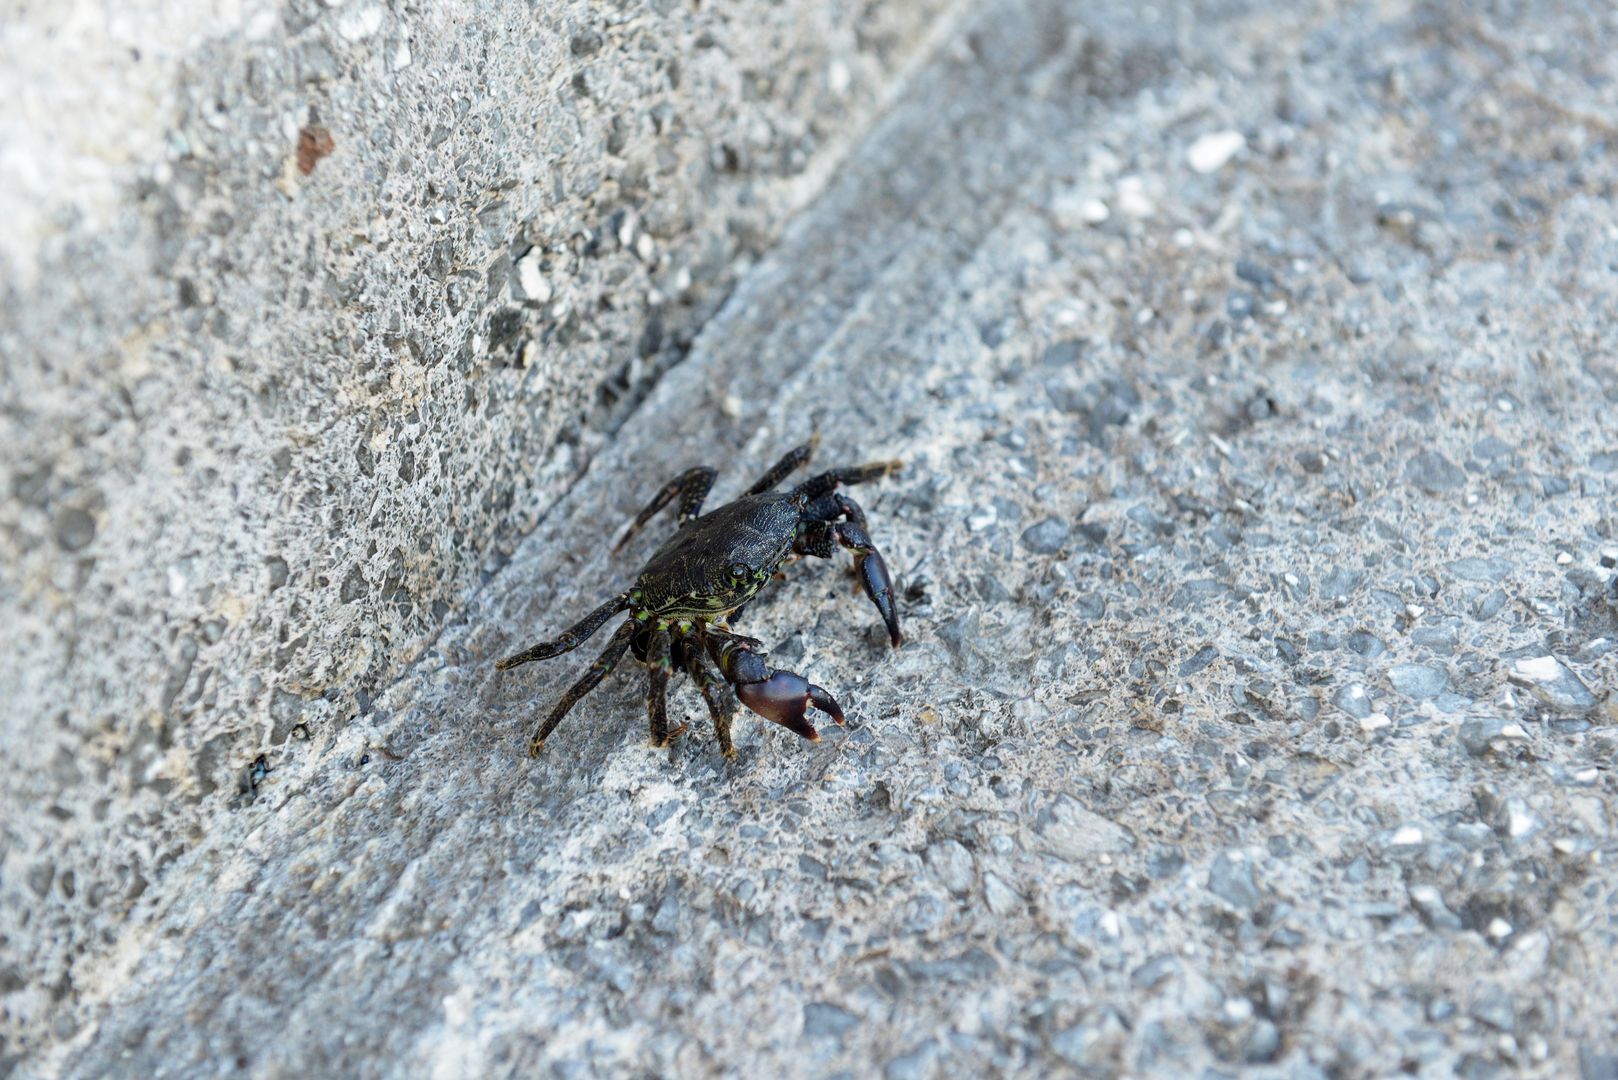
{"x": 785, "y": 697}
{"x": 873, "y": 572}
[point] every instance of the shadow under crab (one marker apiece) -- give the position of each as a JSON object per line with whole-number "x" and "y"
{"x": 683, "y": 598}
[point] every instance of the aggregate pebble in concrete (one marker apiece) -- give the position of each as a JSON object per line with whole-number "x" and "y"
{"x": 1171, "y": 799}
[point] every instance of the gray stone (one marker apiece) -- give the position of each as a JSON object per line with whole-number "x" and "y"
{"x": 1340, "y": 582}
{"x": 1432, "y": 472}
{"x": 1000, "y": 897}
{"x": 1476, "y": 569}
{"x": 825, "y": 1018}
{"x": 914, "y": 1065}
{"x": 1366, "y": 644}
{"x": 75, "y": 528}
{"x": 1481, "y": 734}
{"x": 1417, "y": 680}
{"x": 1199, "y": 661}
{"x": 1046, "y": 537}
{"x": 952, "y": 863}
{"x": 1552, "y": 682}
{"x": 1597, "y": 1062}
{"x": 1231, "y": 879}
{"x": 1154, "y": 971}
{"x": 1353, "y": 700}
{"x": 1091, "y": 1046}
{"x": 1490, "y": 604}
{"x": 1494, "y": 1008}
{"x": 1430, "y": 903}
{"x": 1262, "y": 1043}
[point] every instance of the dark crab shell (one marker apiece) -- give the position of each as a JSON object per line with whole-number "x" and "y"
{"x": 720, "y": 560}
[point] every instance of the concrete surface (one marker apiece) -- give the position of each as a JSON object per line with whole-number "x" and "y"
{"x": 1257, "y": 545}
{"x": 307, "y": 311}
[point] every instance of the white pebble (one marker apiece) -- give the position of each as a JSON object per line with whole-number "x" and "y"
{"x": 1213, "y": 151}
{"x": 529, "y": 279}
{"x": 1520, "y": 823}
{"x": 357, "y": 24}
{"x": 838, "y": 78}
{"x": 1074, "y": 208}
{"x": 1538, "y": 669}
{"x": 1238, "y": 1010}
{"x": 1132, "y": 198}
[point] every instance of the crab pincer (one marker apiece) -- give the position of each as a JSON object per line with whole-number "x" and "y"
{"x": 873, "y": 572}
{"x": 785, "y": 698}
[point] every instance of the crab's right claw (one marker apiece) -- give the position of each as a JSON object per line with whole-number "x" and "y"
{"x": 873, "y": 572}
{"x": 785, "y": 697}
{"x": 822, "y": 700}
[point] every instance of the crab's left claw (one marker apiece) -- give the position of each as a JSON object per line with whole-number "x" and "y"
{"x": 785, "y": 698}
{"x": 873, "y": 572}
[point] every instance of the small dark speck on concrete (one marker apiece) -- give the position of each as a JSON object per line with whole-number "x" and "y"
{"x": 75, "y": 528}
{"x": 1253, "y": 272}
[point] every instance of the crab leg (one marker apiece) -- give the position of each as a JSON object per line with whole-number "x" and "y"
{"x": 850, "y": 533}
{"x": 709, "y": 684}
{"x": 692, "y": 485}
{"x": 571, "y": 638}
{"x": 828, "y": 482}
{"x": 795, "y": 459}
{"x": 660, "y": 661}
{"x": 783, "y": 697}
{"x": 592, "y": 678}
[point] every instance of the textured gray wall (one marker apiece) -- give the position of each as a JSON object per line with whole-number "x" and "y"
{"x": 308, "y": 312}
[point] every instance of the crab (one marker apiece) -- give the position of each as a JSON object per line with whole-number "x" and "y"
{"x": 684, "y": 599}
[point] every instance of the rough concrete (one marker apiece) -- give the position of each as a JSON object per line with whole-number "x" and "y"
{"x": 307, "y": 312}
{"x": 1257, "y": 545}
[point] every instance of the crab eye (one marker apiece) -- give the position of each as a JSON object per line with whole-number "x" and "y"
{"x": 737, "y": 570}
